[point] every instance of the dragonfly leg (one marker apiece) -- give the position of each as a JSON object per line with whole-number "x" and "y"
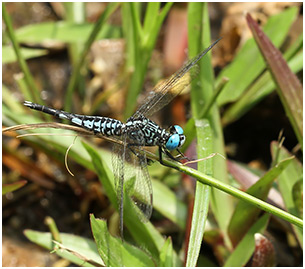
{"x": 171, "y": 156}
{"x": 130, "y": 147}
{"x": 149, "y": 161}
{"x": 160, "y": 156}
{"x": 183, "y": 157}
{"x": 168, "y": 154}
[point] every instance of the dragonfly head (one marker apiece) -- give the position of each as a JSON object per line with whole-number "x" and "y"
{"x": 176, "y": 139}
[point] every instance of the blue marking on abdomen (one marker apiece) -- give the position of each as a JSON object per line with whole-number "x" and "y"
{"x": 63, "y": 116}
{"x": 88, "y": 124}
{"x": 77, "y": 121}
{"x": 97, "y": 126}
{"x": 113, "y": 126}
{"x": 103, "y": 127}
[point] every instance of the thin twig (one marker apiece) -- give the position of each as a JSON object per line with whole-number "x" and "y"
{"x": 66, "y": 156}
{"x": 205, "y": 158}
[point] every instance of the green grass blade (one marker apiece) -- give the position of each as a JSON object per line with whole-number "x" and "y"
{"x": 104, "y": 173}
{"x": 75, "y": 14}
{"x": 31, "y": 86}
{"x": 166, "y": 254}
{"x": 13, "y": 186}
{"x": 199, "y": 38}
{"x": 135, "y": 58}
{"x": 150, "y": 16}
{"x": 248, "y": 63}
{"x": 9, "y": 56}
{"x": 297, "y": 194}
{"x": 114, "y": 251}
{"x": 10, "y": 102}
{"x": 198, "y": 15}
{"x": 128, "y": 34}
{"x": 150, "y": 37}
{"x": 287, "y": 181}
{"x": 111, "y": 7}
{"x": 143, "y": 44}
{"x": 242, "y": 253}
{"x": 78, "y": 250}
{"x": 63, "y": 31}
{"x": 289, "y": 88}
{"x": 50, "y": 222}
{"x": 175, "y": 210}
{"x": 257, "y": 91}
{"x": 245, "y": 214}
{"x": 143, "y": 233}
{"x": 135, "y": 8}
{"x": 202, "y": 194}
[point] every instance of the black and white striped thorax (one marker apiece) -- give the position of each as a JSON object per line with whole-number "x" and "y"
{"x": 144, "y": 131}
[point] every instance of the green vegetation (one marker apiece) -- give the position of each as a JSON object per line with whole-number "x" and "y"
{"x": 222, "y": 212}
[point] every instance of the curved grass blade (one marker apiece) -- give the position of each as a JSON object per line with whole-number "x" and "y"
{"x": 287, "y": 181}
{"x": 263, "y": 86}
{"x": 242, "y": 253}
{"x": 79, "y": 250}
{"x": 248, "y": 62}
{"x": 245, "y": 214}
{"x": 116, "y": 252}
{"x": 13, "y": 186}
{"x": 166, "y": 254}
{"x": 289, "y": 88}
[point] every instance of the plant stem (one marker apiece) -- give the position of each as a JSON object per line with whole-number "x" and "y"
{"x": 205, "y": 179}
{"x": 31, "y": 86}
{"x": 75, "y": 75}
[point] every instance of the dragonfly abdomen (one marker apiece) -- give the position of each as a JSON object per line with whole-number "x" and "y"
{"x": 103, "y": 125}
{"x": 96, "y": 124}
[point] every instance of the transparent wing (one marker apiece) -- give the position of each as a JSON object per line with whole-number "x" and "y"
{"x": 141, "y": 193}
{"x": 164, "y": 92}
{"x": 118, "y": 166}
{"x": 132, "y": 178}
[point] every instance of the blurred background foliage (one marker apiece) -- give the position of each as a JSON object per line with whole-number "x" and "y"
{"x": 103, "y": 59}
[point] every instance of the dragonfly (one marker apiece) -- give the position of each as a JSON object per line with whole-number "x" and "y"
{"x": 138, "y": 132}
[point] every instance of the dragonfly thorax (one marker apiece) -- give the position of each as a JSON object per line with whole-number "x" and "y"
{"x": 145, "y": 132}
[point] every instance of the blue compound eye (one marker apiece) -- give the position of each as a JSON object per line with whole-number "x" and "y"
{"x": 178, "y": 129}
{"x": 173, "y": 142}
